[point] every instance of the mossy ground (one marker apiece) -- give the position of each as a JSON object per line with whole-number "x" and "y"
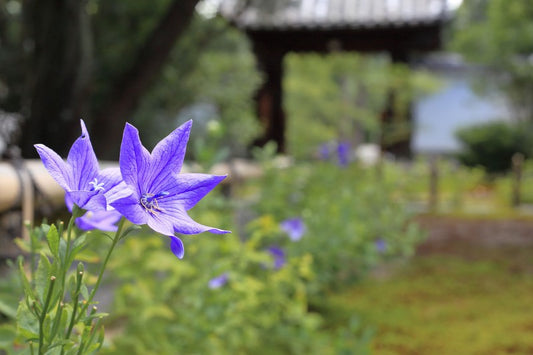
{"x": 461, "y": 297}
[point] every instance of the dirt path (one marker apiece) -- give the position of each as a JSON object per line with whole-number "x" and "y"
{"x": 476, "y": 238}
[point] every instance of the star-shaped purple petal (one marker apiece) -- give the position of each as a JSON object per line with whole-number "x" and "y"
{"x": 80, "y": 176}
{"x": 102, "y": 220}
{"x": 176, "y": 246}
{"x": 160, "y": 195}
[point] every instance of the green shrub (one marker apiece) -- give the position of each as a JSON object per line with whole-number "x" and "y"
{"x": 492, "y": 145}
{"x": 347, "y": 211}
{"x": 261, "y": 309}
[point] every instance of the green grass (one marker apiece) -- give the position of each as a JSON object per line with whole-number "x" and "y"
{"x": 441, "y": 304}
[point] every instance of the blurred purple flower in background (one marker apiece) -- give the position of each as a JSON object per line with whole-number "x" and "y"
{"x": 279, "y": 256}
{"x": 219, "y": 281}
{"x": 294, "y": 227}
{"x": 381, "y": 245}
{"x": 343, "y": 153}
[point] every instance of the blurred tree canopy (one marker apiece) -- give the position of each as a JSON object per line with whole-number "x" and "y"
{"x": 108, "y": 62}
{"x": 498, "y": 34}
{"x": 348, "y": 103}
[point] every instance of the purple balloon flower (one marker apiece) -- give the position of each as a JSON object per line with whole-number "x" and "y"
{"x": 219, "y": 281}
{"x": 102, "y": 220}
{"x": 343, "y": 153}
{"x": 84, "y": 183}
{"x": 381, "y": 245}
{"x": 159, "y": 195}
{"x": 294, "y": 227}
{"x": 80, "y": 176}
{"x": 279, "y": 256}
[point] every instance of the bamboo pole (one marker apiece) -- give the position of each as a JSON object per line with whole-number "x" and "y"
{"x": 17, "y": 185}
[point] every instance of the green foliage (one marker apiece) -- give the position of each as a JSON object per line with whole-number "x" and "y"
{"x": 349, "y": 101}
{"x": 499, "y": 35}
{"x": 211, "y": 65}
{"x": 211, "y": 78}
{"x": 492, "y": 145}
{"x": 53, "y": 316}
{"x": 347, "y": 211}
{"x": 119, "y": 31}
{"x": 260, "y": 310}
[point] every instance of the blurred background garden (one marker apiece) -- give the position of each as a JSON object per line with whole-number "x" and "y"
{"x": 379, "y": 189}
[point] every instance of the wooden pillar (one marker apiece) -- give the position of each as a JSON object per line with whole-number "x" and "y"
{"x": 269, "y": 97}
{"x": 396, "y": 140}
{"x": 518, "y": 165}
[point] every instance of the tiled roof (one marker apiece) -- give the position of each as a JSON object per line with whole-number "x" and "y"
{"x": 328, "y": 14}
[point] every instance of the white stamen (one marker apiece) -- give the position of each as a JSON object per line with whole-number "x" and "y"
{"x": 96, "y": 186}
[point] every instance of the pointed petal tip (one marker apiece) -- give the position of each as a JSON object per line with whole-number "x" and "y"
{"x": 218, "y": 231}
{"x": 128, "y": 127}
{"x": 176, "y": 246}
{"x": 84, "y": 132}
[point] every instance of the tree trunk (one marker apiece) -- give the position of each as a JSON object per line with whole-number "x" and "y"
{"x": 58, "y": 36}
{"x": 135, "y": 81}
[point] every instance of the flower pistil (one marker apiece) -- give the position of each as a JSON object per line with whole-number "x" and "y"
{"x": 149, "y": 202}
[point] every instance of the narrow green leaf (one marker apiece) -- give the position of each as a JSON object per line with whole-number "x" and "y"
{"x": 53, "y": 240}
{"x": 62, "y": 250}
{"x": 59, "y": 343}
{"x": 25, "y": 282}
{"x": 27, "y": 323}
{"x": 57, "y": 320}
{"x": 77, "y": 246}
{"x": 84, "y": 292}
{"x": 42, "y": 277}
{"x": 93, "y": 347}
{"x": 71, "y": 284}
{"x": 79, "y": 240}
{"x": 130, "y": 229}
{"x": 65, "y": 316}
{"x": 47, "y": 327}
{"x": 97, "y": 315}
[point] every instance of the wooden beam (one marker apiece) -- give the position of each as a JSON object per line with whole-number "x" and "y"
{"x": 420, "y": 38}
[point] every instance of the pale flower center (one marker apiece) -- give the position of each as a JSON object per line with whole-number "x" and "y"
{"x": 149, "y": 201}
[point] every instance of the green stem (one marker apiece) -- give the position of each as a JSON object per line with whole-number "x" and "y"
{"x": 75, "y": 307}
{"x": 76, "y": 212}
{"x": 43, "y": 313}
{"x": 118, "y": 236}
{"x": 57, "y": 320}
